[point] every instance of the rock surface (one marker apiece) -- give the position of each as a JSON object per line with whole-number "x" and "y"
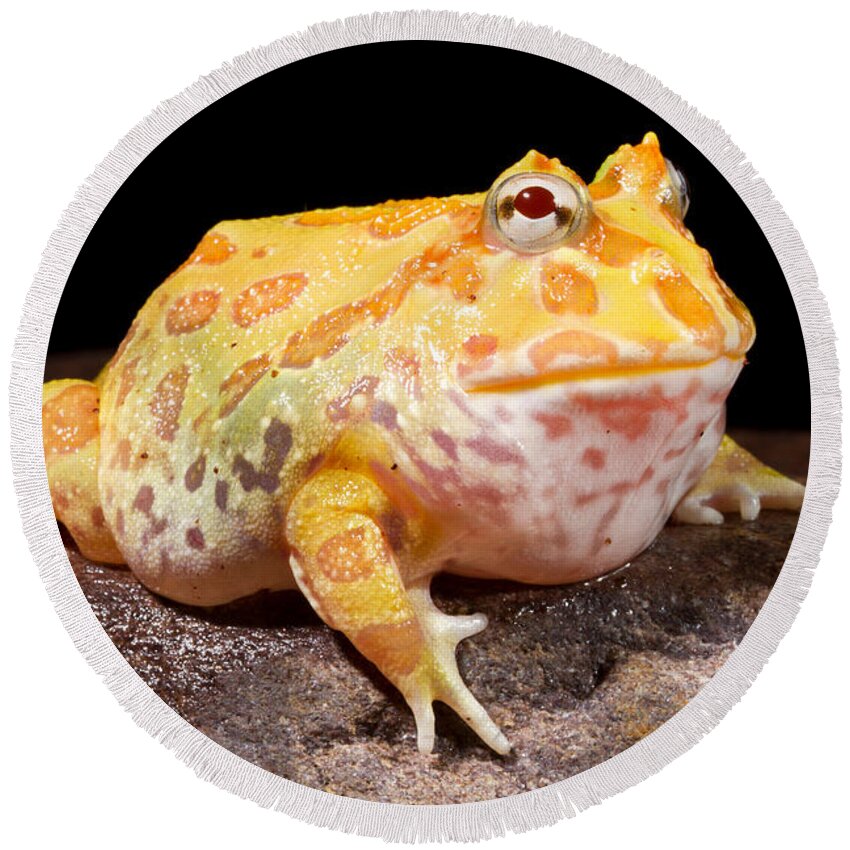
{"x": 573, "y": 674}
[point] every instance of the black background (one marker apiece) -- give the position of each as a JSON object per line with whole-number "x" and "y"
{"x": 407, "y": 120}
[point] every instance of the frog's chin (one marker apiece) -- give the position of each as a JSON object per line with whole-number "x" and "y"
{"x": 586, "y": 472}
{"x": 509, "y": 382}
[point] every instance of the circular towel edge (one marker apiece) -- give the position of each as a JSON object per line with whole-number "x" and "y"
{"x": 398, "y": 822}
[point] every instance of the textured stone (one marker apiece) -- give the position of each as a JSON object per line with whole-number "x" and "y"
{"x": 573, "y": 674}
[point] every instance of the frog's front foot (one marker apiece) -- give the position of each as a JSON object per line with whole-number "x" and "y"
{"x": 736, "y": 480}
{"x": 436, "y": 676}
{"x": 345, "y": 566}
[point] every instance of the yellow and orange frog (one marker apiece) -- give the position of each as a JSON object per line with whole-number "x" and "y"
{"x": 520, "y": 384}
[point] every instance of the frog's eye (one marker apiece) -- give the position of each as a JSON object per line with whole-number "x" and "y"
{"x": 681, "y": 191}
{"x": 534, "y": 212}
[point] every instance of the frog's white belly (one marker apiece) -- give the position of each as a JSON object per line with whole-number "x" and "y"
{"x": 604, "y": 462}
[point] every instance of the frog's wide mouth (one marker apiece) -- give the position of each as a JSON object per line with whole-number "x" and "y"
{"x": 515, "y": 383}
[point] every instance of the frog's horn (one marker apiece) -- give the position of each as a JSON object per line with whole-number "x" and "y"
{"x": 644, "y": 163}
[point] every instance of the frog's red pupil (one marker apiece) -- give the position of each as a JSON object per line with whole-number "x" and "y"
{"x": 535, "y": 202}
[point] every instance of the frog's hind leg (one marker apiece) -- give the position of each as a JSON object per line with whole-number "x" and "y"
{"x": 344, "y": 564}
{"x": 71, "y": 432}
{"x": 736, "y": 480}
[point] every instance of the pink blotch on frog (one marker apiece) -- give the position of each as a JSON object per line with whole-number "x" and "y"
{"x": 446, "y": 443}
{"x": 121, "y": 455}
{"x": 632, "y": 415}
{"x": 594, "y": 458}
{"x": 494, "y": 450}
{"x": 194, "y": 476}
{"x": 195, "y": 538}
{"x": 556, "y": 425}
{"x": 385, "y": 414}
{"x": 144, "y": 499}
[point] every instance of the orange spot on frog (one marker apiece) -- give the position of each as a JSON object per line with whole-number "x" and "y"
{"x": 266, "y": 297}
{"x": 192, "y": 311}
{"x": 127, "y": 380}
{"x": 70, "y": 419}
{"x": 564, "y": 289}
{"x": 612, "y": 245}
{"x": 340, "y": 408}
{"x": 213, "y": 249}
{"x": 479, "y": 346}
{"x": 400, "y": 218}
{"x": 322, "y": 337}
{"x": 121, "y": 455}
{"x": 347, "y": 556}
{"x": 556, "y": 425}
{"x": 479, "y": 350}
{"x": 240, "y": 382}
{"x": 167, "y": 402}
{"x": 452, "y": 266}
{"x": 330, "y": 331}
{"x": 594, "y": 458}
{"x": 575, "y": 349}
{"x": 687, "y": 304}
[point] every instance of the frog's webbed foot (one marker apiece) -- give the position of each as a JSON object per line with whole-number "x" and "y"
{"x": 345, "y": 567}
{"x": 736, "y": 480}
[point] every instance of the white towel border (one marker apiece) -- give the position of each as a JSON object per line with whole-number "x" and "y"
{"x": 394, "y": 822}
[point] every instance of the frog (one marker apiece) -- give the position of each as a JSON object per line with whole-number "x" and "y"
{"x": 525, "y": 383}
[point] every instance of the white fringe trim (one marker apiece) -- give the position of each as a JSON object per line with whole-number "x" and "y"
{"x": 469, "y": 821}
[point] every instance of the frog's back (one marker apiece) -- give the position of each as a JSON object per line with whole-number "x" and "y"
{"x": 213, "y": 408}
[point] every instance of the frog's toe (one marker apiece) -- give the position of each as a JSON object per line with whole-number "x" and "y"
{"x": 749, "y": 504}
{"x": 767, "y": 490}
{"x": 454, "y": 693}
{"x": 460, "y": 627}
{"x": 737, "y": 481}
{"x": 445, "y": 684}
{"x": 693, "y": 511}
{"x": 423, "y": 713}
